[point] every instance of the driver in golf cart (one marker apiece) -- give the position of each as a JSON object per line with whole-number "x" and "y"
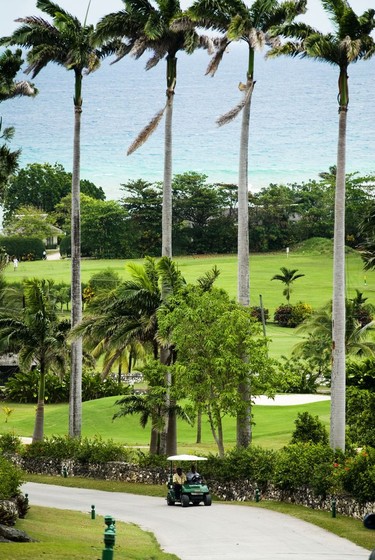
{"x": 193, "y": 475}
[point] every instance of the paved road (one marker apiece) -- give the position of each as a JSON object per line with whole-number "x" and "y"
{"x": 219, "y": 532}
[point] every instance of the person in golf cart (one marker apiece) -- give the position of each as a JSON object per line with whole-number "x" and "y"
{"x": 193, "y": 475}
{"x": 179, "y": 478}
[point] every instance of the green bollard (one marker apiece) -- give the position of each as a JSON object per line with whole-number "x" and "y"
{"x": 333, "y": 508}
{"x": 257, "y": 496}
{"x": 64, "y": 472}
{"x": 92, "y": 512}
{"x": 109, "y": 538}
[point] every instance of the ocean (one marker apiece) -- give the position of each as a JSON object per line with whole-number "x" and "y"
{"x": 294, "y": 120}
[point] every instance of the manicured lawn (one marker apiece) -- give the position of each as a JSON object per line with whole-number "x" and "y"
{"x": 273, "y": 425}
{"x": 76, "y": 536}
{"x": 314, "y": 288}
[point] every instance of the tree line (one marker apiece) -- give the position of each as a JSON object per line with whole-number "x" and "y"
{"x": 205, "y": 215}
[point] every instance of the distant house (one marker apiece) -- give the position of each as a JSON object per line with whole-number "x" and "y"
{"x": 52, "y": 241}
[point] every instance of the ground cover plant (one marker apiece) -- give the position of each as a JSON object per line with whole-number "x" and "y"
{"x": 273, "y": 424}
{"x": 77, "y": 537}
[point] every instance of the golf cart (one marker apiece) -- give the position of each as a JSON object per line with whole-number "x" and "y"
{"x": 193, "y": 491}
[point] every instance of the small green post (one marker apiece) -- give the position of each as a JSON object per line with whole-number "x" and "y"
{"x": 257, "y": 496}
{"x": 92, "y": 512}
{"x": 64, "y": 472}
{"x": 333, "y": 508}
{"x": 109, "y": 538}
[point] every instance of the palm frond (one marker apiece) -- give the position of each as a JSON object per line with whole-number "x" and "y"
{"x": 232, "y": 114}
{"x": 221, "y": 45}
{"x": 146, "y": 132}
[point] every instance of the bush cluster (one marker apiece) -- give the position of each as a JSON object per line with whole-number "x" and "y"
{"x": 11, "y": 479}
{"x": 24, "y": 248}
{"x": 23, "y": 387}
{"x": 298, "y": 466}
{"x": 83, "y": 450}
{"x": 292, "y": 315}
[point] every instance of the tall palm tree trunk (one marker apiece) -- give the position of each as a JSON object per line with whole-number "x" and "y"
{"x": 170, "y": 424}
{"x": 75, "y": 397}
{"x": 244, "y": 432}
{"x": 39, "y": 418}
{"x": 337, "y": 431}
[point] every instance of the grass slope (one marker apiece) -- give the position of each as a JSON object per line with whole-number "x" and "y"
{"x": 273, "y": 425}
{"x": 312, "y": 259}
{"x": 76, "y": 536}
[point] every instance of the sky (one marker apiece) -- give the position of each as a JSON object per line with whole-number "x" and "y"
{"x": 12, "y": 9}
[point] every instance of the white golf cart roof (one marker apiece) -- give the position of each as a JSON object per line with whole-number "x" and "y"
{"x": 186, "y": 458}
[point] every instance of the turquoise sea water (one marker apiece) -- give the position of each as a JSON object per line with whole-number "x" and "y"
{"x": 294, "y": 120}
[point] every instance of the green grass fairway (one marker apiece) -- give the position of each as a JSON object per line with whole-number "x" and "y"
{"x": 76, "y": 536}
{"x": 273, "y": 425}
{"x": 314, "y": 288}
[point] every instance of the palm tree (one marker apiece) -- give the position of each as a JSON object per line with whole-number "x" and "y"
{"x": 147, "y": 27}
{"x": 10, "y": 64}
{"x": 349, "y": 42}
{"x": 70, "y": 44}
{"x": 38, "y": 337}
{"x": 128, "y": 318}
{"x": 251, "y": 24}
{"x": 319, "y": 328}
{"x": 287, "y": 277}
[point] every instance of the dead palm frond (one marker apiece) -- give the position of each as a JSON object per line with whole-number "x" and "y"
{"x": 146, "y": 132}
{"x": 232, "y": 114}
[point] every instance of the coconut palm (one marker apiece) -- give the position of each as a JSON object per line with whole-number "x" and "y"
{"x": 71, "y": 45}
{"x": 287, "y": 277}
{"x": 149, "y": 24}
{"x": 250, "y": 24}
{"x": 349, "y": 42}
{"x": 35, "y": 333}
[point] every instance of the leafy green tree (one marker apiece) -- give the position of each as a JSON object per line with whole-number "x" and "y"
{"x": 29, "y": 222}
{"x": 143, "y": 205}
{"x": 150, "y": 25}
{"x": 211, "y": 335}
{"x": 351, "y": 41}
{"x": 73, "y": 46}
{"x": 44, "y": 186}
{"x": 35, "y": 333}
{"x": 287, "y": 277}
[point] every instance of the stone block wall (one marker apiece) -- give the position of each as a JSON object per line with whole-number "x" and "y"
{"x": 239, "y": 491}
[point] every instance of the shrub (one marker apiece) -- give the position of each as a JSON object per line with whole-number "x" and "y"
{"x": 361, "y": 374}
{"x": 358, "y": 475}
{"x": 10, "y": 443}
{"x": 23, "y": 387}
{"x": 292, "y": 315}
{"x": 11, "y": 479}
{"x": 360, "y": 417}
{"x": 256, "y": 312}
{"x": 24, "y": 248}
{"x": 302, "y": 465}
{"x": 309, "y": 429}
{"x": 296, "y": 376}
{"x": 254, "y": 464}
{"x": 283, "y": 315}
{"x": 83, "y": 450}
{"x": 300, "y": 312}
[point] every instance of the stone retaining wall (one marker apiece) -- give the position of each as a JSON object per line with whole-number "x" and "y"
{"x": 239, "y": 491}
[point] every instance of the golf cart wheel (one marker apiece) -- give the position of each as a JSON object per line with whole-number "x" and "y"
{"x": 170, "y": 502}
{"x": 207, "y": 500}
{"x": 185, "y": 500}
